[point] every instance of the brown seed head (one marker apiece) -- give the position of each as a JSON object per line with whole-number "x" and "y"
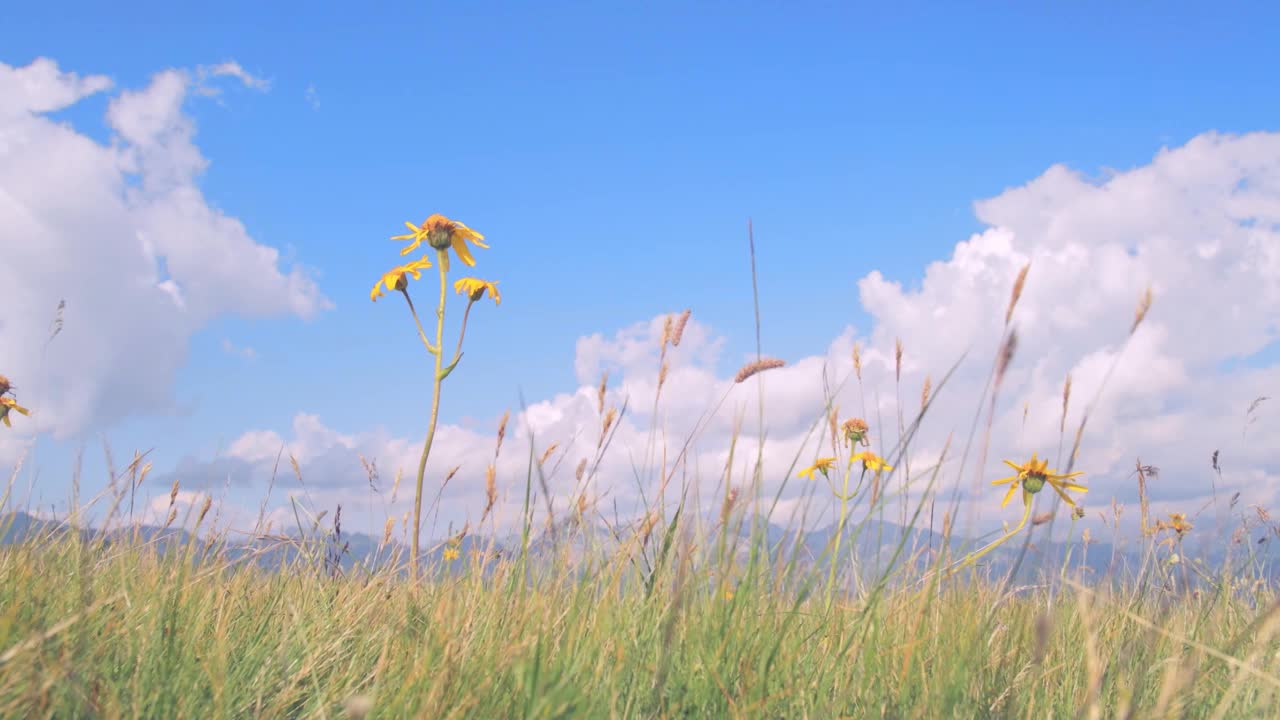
{"x": 1066, "y": 402}
{"x": 452, "y": 472}
{"x": 204, "y": 509}
{"x": 857, "y": 360}
{"x": 730, "y": 498}
{"x": 490, "y": 488}
{"x": 1042, "y": 518}
{"x": 924, "y": 392}
{"x": 1144, "y": 306}
{"x": 547, "y": 453}
{"x": 609, "y": 417}
{"x": 678, "y": 334}
{"x": 502, "y": 431}
{"x": 604, "y": 382}
{"x": 897, "y": 359}
{"x": 667, "y": 327}
{"x": 173, "y": 493}
{"x": 1006, "y": 355}
{"x": 756, "y": 367}
{"x": 1017, "y": 292}
{"x": 386, "y": 530}
{"x": 646, "y": 529}
{"x": 582, "y": 468}
{"x": 662, "y": 375}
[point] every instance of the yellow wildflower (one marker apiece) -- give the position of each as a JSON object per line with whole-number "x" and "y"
{"x": 871, "y": 461}
{"x": 1032, "y": 477}
{"x": 7, "y": 404}
{"x": 821, "y": 465}
{"x": 450, "y": 554}
{"x": 442, "y": 233}
{"x": 396, "y": 278}
{"x": 1177, "y": 522}
{"x": 475, "y": 288}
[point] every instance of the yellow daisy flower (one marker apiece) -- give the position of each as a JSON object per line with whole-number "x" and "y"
{"x": 821, "y": 465}
{"x": 395, "y": 278}
{"x": 871, "y": 461}
{"x": 1032, "y": 477}
{"x": 442, "y": 233}
{"x": 450, "y": 554}
{"x": 7, "y": 404}
{"x": 476, "y": 288}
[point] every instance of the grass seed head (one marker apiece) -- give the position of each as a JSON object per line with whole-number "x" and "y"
{"x": 1144, "y": 306}
{"x": 756, "y": 367}
{"x": 678, "y": 333}
{"x": 1017, "y": 292}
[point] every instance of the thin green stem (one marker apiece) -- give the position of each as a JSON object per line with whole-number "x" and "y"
{"x": 844, "y": 515}
{"x": 974, "y": 557}
{"x": 435, "y": 414}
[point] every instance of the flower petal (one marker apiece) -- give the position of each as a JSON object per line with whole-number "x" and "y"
{"x": 1009, "y": 495}
{"x": 1066, "y": 498}
{"x": 464, "y": 254}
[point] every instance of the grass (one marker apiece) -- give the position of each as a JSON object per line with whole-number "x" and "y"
{"x": 675, "y": 613}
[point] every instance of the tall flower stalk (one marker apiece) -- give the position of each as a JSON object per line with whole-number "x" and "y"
{"x": 442, "y": 234}
{"x": 855, "y": 434}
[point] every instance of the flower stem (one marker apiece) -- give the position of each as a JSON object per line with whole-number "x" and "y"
{"x": 435, "y": 414}
{"x": 975, "y": 556}
{"x": 835, "y": 553}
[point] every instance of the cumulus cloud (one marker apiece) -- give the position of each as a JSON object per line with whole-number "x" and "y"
{"x": 123, "y": 234}
{"x": 1199, "y": 225}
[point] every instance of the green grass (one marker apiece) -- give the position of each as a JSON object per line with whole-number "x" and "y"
{"x": 119, "y": 630}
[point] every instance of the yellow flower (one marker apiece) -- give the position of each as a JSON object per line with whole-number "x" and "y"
{"x": 821, "y": 465}
{"x": 871, "y": 461}
{"x": 394, "y": 279}
{"x": 1177, "y": 522}
{"x": 476, "y": 288}
{"x": 1033, "y": 475}
{"x": 450, "y": 554}
{"x": 442, "y": 233}
{"x": 7, "y": 404}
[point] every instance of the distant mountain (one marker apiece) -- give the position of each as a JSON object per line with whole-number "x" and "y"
{"x": 872, "y": 548}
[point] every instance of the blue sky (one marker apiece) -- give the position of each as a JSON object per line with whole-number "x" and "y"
{"x": 612, "y": 154}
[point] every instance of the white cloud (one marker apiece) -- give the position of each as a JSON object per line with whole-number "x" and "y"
{"x": 123, "y": 233}
{"x": 313, "y": 97}
{"x": 233, "y": 69}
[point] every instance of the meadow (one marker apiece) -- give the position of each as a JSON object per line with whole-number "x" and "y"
{"x": 676, "y": 610}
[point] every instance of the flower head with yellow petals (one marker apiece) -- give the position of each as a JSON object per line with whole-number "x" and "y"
{"x": 475, "y": 288}
{"x": 8, "y": 404}
{"x": 822, "y": 465}
{"x": 397, "y": 277}
{"x": 1032, "y": 477}
{"x": 442, "y": 233}
{"x": 872, "y": 462}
